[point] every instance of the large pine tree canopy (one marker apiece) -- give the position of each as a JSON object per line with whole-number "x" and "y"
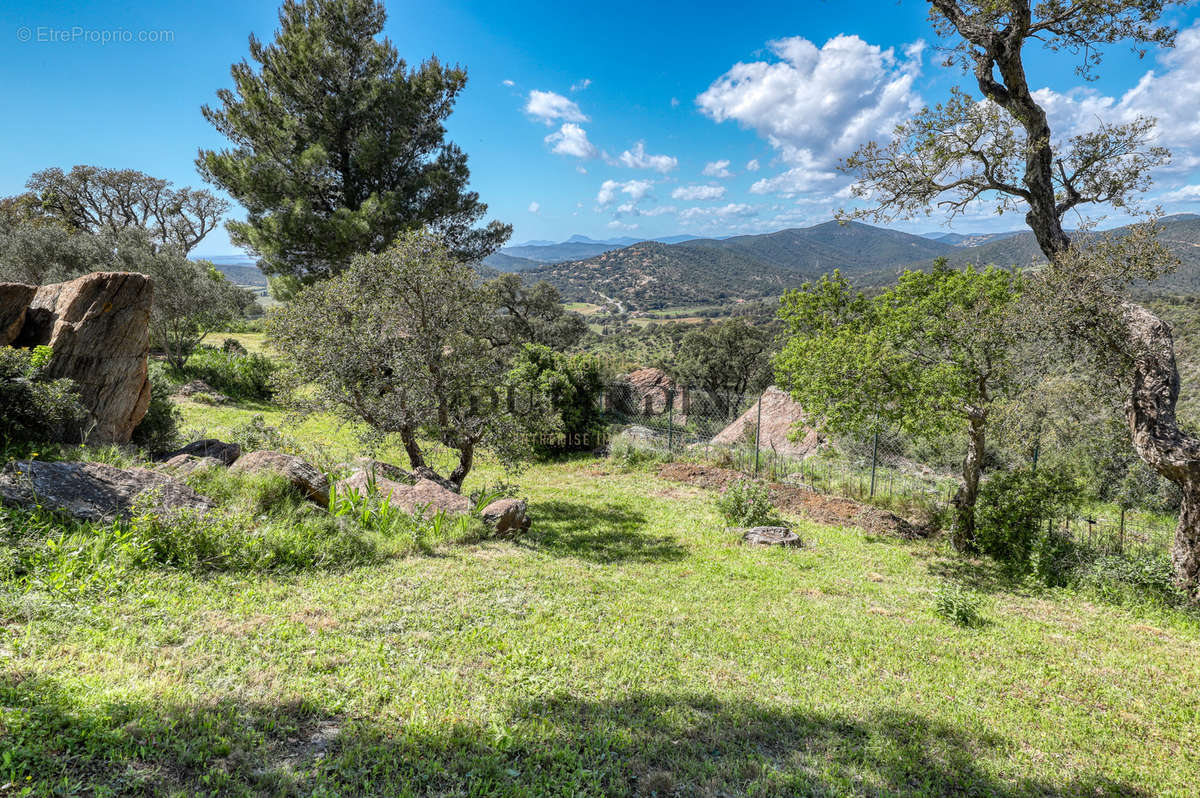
{"x": 338, "y": 146}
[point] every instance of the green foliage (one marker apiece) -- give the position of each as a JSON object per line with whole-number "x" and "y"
{"x": 158, "y": 430}
{"x": 629, "y": 451}
{"x": 747, "y": 502}
{"x": 728, "y": 359}
{"x": 919, "y": 355}
{"x": 1013, "y": 511}
{"x": 327, "y": 174}
{"x": 1130, "y": 579}
{"x": 191, "y": 299}
{"x": 396, "y": 342}
{"x": 34, "y": 408}
{"x": 530, "y": 314}
{"x": 959, "y": 605}
{"x": 572, "y": 384}
{"x": 239, "y": 376}
{"x": 256, "y": 434}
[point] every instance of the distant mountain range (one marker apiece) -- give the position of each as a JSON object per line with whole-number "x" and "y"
{"x": 651, "y": 275}
{"x": 684, "y": 270}
{"x": 527, "y": 255}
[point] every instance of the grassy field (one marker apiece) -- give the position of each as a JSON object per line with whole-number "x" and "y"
{"x": 627, "y": 645}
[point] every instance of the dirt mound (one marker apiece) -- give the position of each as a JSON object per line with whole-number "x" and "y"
{"x": 817, "y": 507}
{"x": 780, "y": 416}
{"x": 700, "y": 475}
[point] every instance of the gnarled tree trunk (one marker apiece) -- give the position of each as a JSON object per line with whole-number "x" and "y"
{"x": 1150, "y": 409}
{"x": 963, "y": 533}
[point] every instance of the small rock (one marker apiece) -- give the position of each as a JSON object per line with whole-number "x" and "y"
{"x": 771, "y": 536}
{"x": 506, "y": 516}
{"x": 227, "y": 453}
{"x": 299, "y": 472}
{"x": 93, "y": 491}
{"x": 200, "y": 388}
{"x": 183, "y": 464}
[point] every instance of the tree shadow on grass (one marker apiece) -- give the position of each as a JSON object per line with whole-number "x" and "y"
{"x": 982, "y": 574}
{"x": 608, "y": 533}
{"x": 642, "y": 744}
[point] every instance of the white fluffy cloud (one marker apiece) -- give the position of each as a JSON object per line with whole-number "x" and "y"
{"x": 571, "y": 139}
{"x": 815, "y": 105}
{"x": 717, "y": 169}
{"x": 638, "y": 158}
{"x": 534, "y": 207}
{"x": 693, "y": 193}
{"x": 1171, "y": 94}
{"x": 508, "y": 83}
{"x": 752, "y": 165}
{"x": 733, "y": 210}
{"x": 634, "y": 189}
{"x": 581, "y": 85}
{"x": 550, "y": 107}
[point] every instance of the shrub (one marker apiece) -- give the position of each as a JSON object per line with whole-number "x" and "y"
{"x": 958, "y": 605}
{"x": 33, "y": 407}
{"x": 257, "y": 434}
{"x": 1130, "y": 579}
{"x": 572, "y": 385}
{"x": 1014, "y": 507}
{"x": 232, "y": 346}
{"x": 237, "y": 376}
{"x": 747, "y": 503}
{"x": 158, "y": 430}
{"x": 629, "y": 451}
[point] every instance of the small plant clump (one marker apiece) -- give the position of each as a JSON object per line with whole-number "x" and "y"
{"x": 747, "y": 503}
{"x": 958, "y": 605}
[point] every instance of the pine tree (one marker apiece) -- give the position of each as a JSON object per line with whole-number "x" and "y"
{"x": 338, "y": 146}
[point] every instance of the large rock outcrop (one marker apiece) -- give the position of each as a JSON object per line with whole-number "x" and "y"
{"x": 14, "y": 304}
{"x": 94, "y": 491}
{"x": 646, "y": 390}
{"x": 99, "y": 328}
{"x": 781, "y": 417}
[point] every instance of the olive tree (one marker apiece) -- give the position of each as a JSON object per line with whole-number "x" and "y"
{"x": 726, "y": 360}
{"x": 934, "y": 354}
{"x": 1000, "y": 149}
{"x": 398, "y": 342}
{"x": 101, "y": 201}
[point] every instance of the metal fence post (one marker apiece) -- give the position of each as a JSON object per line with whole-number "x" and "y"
{"x": 874, "y": 460}
{"x": 757, "y": 435}
{"x": 670, "y": 420}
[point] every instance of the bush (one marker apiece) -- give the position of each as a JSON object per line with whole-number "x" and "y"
{"x": 1126, "y": 579}
{"x": 629, "y": 451}
{"x": 232, "y": 346}
{"x": 1014, "y": 507}
{"x": 235, "y": 375}
{"x": 34, "y": 408}
{"x": 958, "y": 605}
{"x": 747, "y": 503}
{"x": 158, "y": 430}
{"x": 572, "y": 385}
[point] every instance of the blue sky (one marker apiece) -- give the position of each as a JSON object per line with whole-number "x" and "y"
{"x": 604, "y": 120}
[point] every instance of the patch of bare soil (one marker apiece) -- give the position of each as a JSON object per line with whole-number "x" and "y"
{"x": 827, "y": 510}
{"x": 700, "y": 475}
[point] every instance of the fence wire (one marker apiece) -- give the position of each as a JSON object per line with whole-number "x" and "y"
{"x": 878, "y": 466}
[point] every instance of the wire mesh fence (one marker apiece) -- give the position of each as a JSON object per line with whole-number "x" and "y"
{"x": 762, "y": 436}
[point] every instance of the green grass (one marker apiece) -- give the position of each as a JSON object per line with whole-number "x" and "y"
{"x": 254, "y": 342}
{"x": 627, "y": 645}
